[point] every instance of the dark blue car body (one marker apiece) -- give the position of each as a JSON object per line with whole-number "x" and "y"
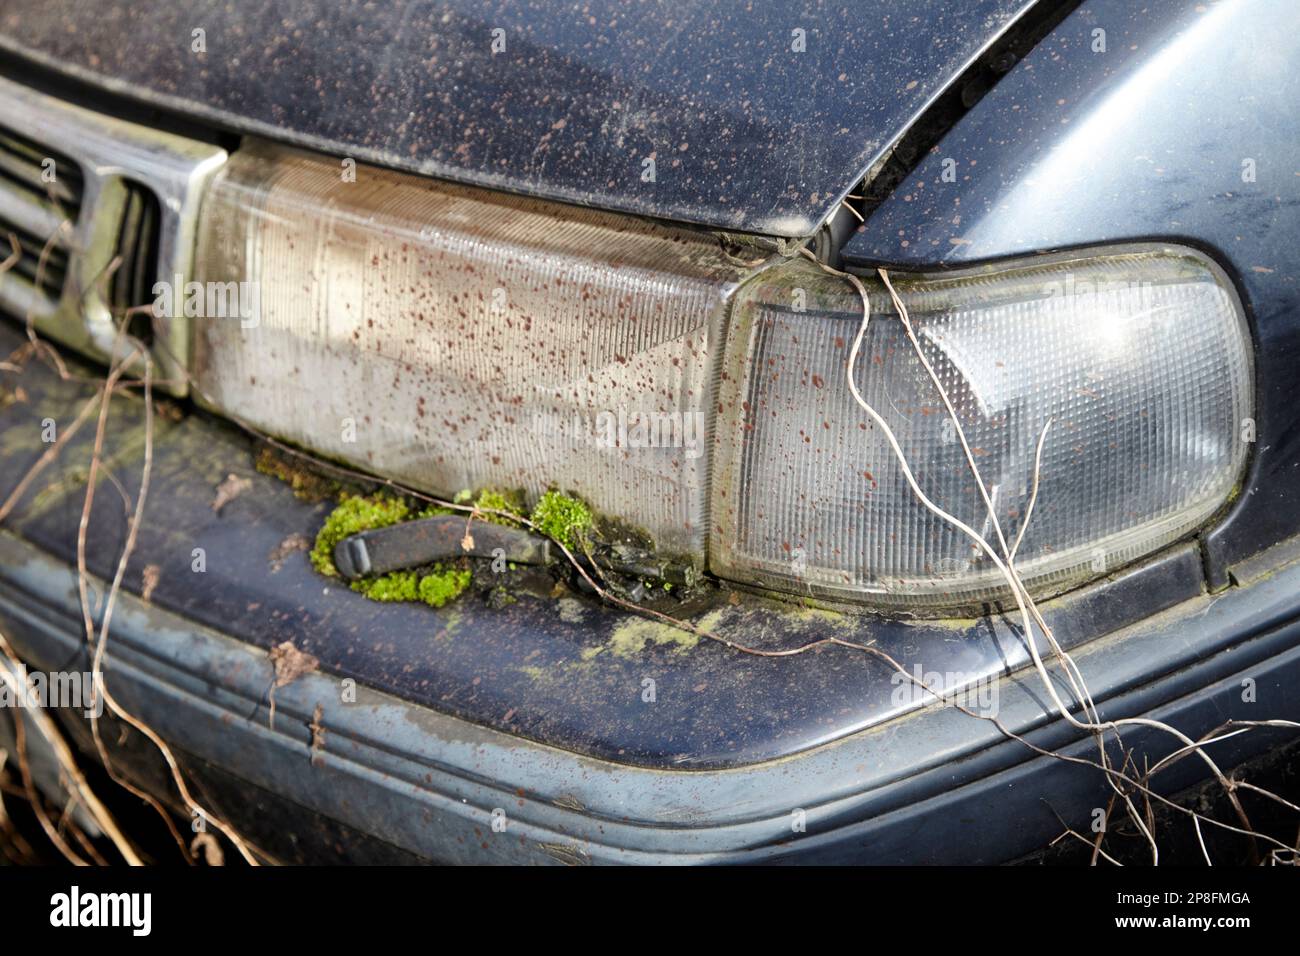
{"x": 1058, "y": 145}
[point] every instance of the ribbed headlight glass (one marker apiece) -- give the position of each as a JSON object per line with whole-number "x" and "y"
{"x": 1141, "y": 360}
{"x": 456, "y": 338}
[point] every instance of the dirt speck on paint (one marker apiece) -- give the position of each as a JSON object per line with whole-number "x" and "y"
{"x": 289, "y": 664}
{"x": 231, "y": 488}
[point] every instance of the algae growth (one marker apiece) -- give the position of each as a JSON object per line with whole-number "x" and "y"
{"x": 633, "y": 636}
{"x": 306, "y": 484}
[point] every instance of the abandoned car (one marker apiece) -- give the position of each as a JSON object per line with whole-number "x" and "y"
{"x": 652, "y": 433}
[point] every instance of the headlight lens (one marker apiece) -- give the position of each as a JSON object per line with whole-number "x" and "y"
{"x": 460, "y": 339}
{"x": 1141, "y": 359}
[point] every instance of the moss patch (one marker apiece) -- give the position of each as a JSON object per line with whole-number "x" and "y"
{"x": 633, "y": 636}
{"x": 489, "y": 500}
{"x": 306, "y": 484}
{"x": 434, "y": 589}
{"x": 434, "y": 586}
{"x": 395, "y": 586}
{"x": 563, "y": 518}
{"x": 441, "y": 586}
{"x": 354, "y": 513}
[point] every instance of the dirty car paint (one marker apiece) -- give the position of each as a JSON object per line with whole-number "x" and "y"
{"x": 553, "y": 665}
{"x": 757, "y": 117}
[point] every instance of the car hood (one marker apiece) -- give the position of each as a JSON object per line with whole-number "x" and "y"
{"x": 757, "y": 117}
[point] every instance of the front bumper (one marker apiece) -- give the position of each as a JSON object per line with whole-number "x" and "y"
{"x": 933, "y": 787}
{"x": 397, "y": 777}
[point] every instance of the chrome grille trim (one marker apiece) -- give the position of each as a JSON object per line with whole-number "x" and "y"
{"x": 110, "y": 155}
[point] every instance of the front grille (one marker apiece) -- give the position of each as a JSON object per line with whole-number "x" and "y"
{"x": 51, "y": 276}
{"x": 39, "y": 190}
{"x": 137, "y": 252}
{"x": 24, "y": 164}
{"x": 118, "y": 213}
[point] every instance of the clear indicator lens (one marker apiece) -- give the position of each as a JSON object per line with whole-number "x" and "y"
{"x": 1140, "y": 360}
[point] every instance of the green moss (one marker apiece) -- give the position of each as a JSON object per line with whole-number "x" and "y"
{"x": 397, "y": 586}
{"x": 489, "y": 501}
{"x": 442, "y": 586}
{"x": 434, "y": 589}
{"x": 562, "y": 518}
{"x": 354, "y": 513}
{"x": 358, "y": 513}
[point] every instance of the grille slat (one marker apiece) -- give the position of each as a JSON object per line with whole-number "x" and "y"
{"x": 32, "y": 209}
{"x": 55, "y": 270}
{"x": 32, "y": 216}
{"x": 22, "y": 163}
{"x": 137, "y": 246}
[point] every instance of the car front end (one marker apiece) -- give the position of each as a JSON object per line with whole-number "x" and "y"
{"x": 622, "y": 437}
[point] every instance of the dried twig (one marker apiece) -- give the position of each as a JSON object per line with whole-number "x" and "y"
{"x": 13, "y": 674}
{"x": 99, "y": 646}
{"x": 102, "y": 401}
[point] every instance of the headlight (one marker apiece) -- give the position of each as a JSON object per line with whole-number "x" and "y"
{"x": 1141, "y": 359}
{"x": 455, "y": 338}
{"x": 459, "y": 339}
